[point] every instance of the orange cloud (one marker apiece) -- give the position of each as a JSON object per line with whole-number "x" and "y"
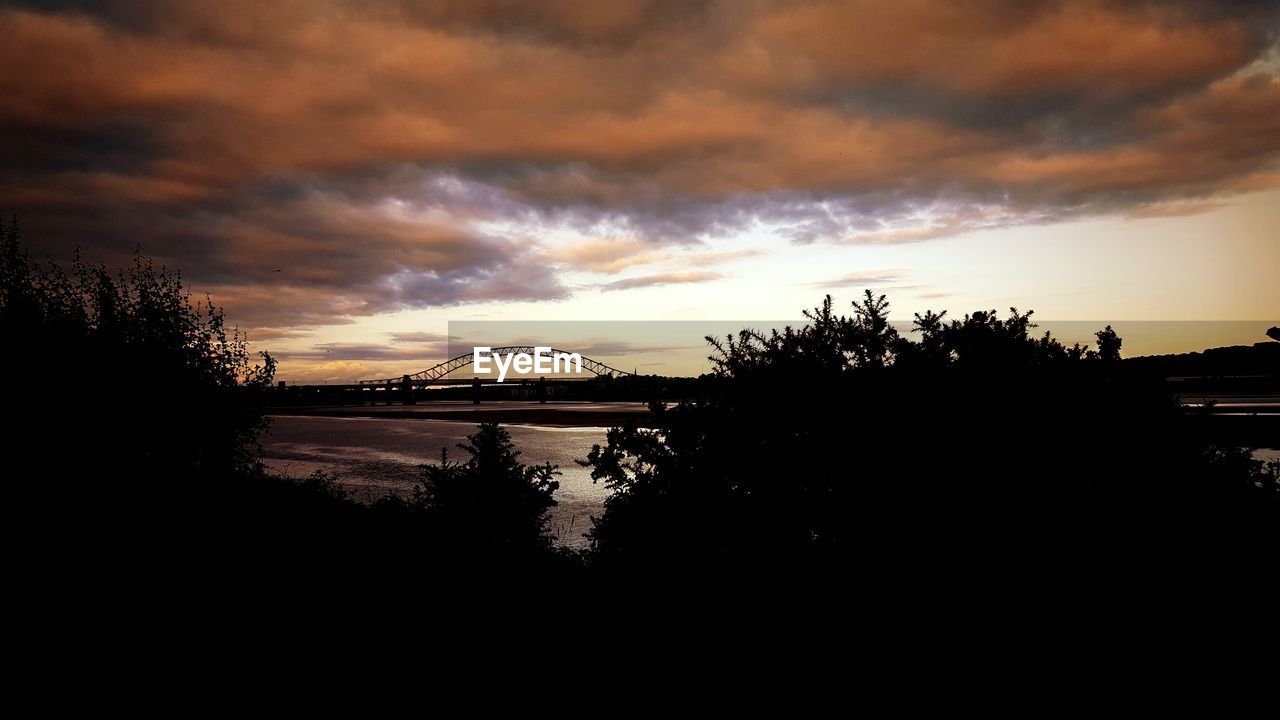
{"x": 999, "y": 48}
{"x": 383, "y": 156}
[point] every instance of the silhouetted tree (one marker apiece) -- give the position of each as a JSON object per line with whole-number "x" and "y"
{"x": 1109, "y": 344}
{"x": 158, "y": 381}
{"x": 842, "y": 442}
{"x": 491, "y": 501}
{"x": 138, "y": 499}
{"x": 870, "y": 338}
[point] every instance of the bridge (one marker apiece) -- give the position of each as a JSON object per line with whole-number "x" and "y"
{"x": 433, "y": 374}
{"x": 402, "y": 389}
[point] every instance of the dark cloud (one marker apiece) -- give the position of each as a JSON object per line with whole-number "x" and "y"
{"x": 320, "y": 160}
{"x": 587, "y": 23}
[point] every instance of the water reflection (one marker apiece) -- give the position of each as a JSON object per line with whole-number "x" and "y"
{"x": 374, "y": 457}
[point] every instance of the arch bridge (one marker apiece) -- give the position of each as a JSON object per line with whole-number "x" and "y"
{"x": 435, "y": 373}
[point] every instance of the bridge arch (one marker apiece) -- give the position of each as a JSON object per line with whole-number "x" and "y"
{"x": 431, "y": 374}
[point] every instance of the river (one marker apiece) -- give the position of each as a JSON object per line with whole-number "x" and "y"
{"x": 374, "y": 457}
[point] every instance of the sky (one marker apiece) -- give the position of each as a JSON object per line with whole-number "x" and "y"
{"x": 346, "y": 177}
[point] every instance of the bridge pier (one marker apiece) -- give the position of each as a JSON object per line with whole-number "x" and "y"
{"x": 406, "y": 390}
{"x": 475, "y": 391}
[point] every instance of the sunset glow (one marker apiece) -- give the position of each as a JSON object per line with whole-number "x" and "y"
{"x": 346, "y": 177}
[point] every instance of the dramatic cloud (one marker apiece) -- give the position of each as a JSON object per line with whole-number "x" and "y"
{"x": 320, "y": 160}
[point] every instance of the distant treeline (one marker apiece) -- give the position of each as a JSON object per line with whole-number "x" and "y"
{"x": 1260, "y": 359}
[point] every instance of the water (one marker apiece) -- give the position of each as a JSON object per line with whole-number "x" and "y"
{"x": 375, "y": 457}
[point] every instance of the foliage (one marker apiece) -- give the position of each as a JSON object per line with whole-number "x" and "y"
{"x": 975, "y": 436}
{"x": 490, "y": 508}
{"x": 158, "y": 379}
{"x": 490, "y": 500}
